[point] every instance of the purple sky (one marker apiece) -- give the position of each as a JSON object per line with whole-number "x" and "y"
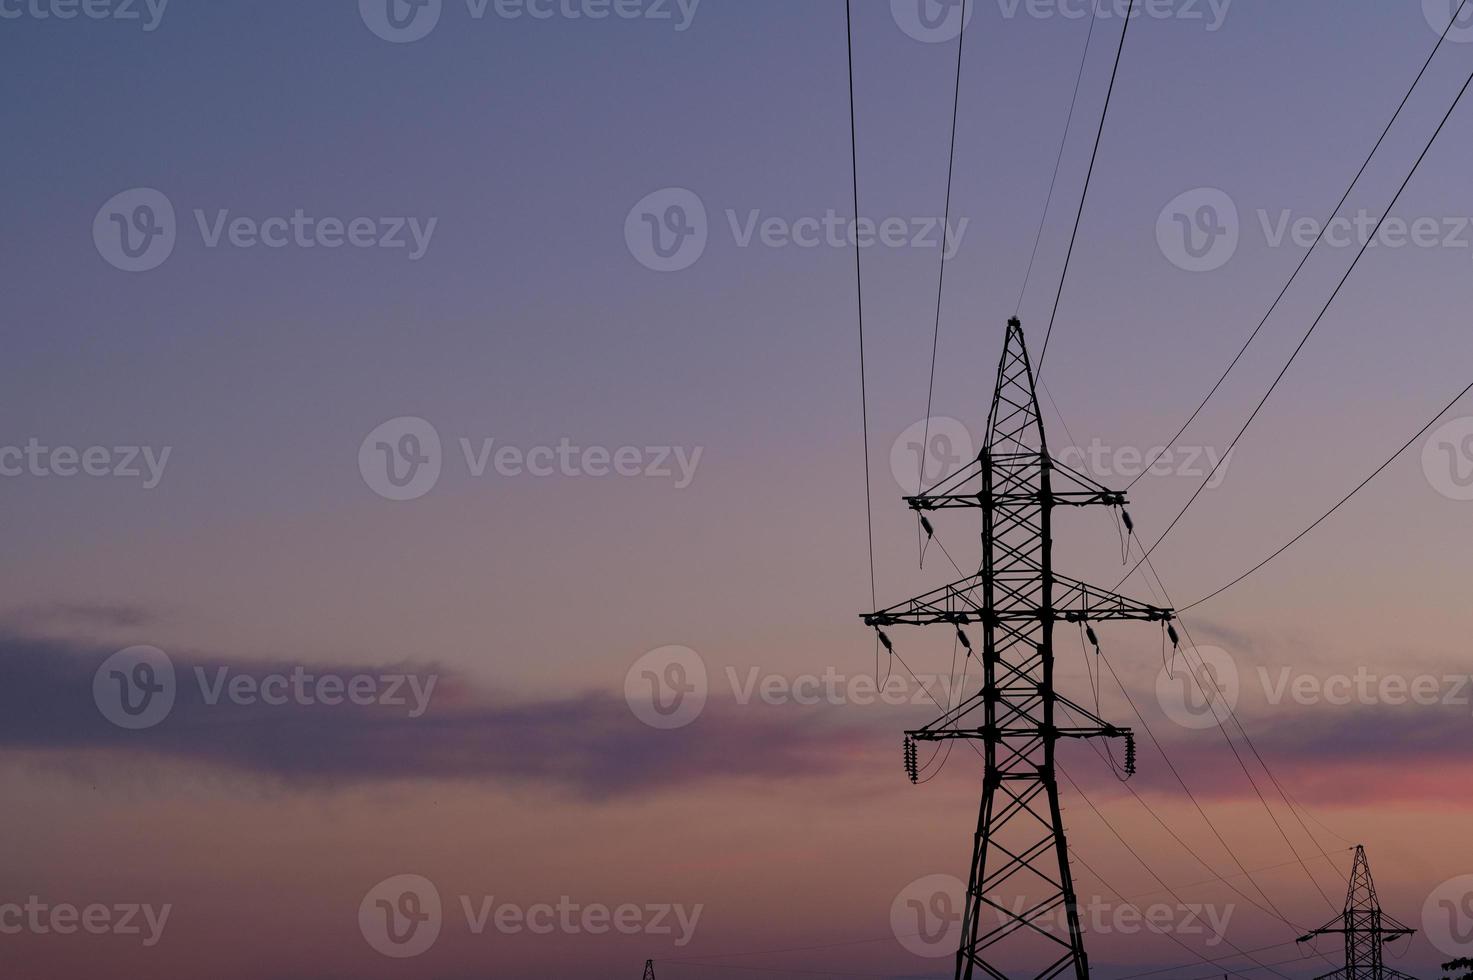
{"x": 697, "y": 432}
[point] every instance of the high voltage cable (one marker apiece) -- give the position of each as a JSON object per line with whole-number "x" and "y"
{"x": 1343, "y": 501}
{"x": 1165, "y": 600}
{"x": 1149, "y": 870}
{"x": 1324, "y": 229}
{"x": 695, "y": 960}
{"x": 1075, "y": 855}
{"x": 1188, "y": 966}
{"x": 1313, "y": 326}
{"x": 869, "y": 509}
{"x": 1084, "y": 196}
{"x": 1234, "y": 749}
{"x": 1059, "y": 160}
{"x": 956, "y": 101}
{"x": 1198, "y": 858}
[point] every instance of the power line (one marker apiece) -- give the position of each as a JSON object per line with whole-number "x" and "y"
{"x": 1224, "y": 879}
{"x": 1059, "y": 160}
{"x": 1083, "y": 197}
{"x": 956, "y": 101}
{"x": 1165, "y": 599}
{"x": 1324, "y": 229}
{"x": 1149, "y": 870}
{"x": 1188, "y": 966}
{"x": 1234, "y": 749}
{"x": 1313, "y": 326}
{"x": 1343, "y": 501}
{"x": 1075, "y": 855}
{"x": 945, "y": 224}
{"x": 869, "y": 510}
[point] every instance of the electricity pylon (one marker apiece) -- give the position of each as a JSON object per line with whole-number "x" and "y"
{"x": 1365, "y": 927}
{"x": 1020, "y": 850}
{"x": 649, "y": 970}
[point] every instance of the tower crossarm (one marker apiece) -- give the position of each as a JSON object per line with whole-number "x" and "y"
{"x": 1080, "y": 602}
{"x": 1020, "y": 722}
{"x": 957, "y": 604}
{"x": 964, "y": 488}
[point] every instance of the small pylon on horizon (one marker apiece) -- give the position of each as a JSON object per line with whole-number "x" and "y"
{"x": 1365, "y": 927}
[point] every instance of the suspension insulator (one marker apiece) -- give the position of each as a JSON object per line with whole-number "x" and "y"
{"x": 885, "y": 641}
{"x": 962, "y": 636}
{"x": 1094, "y": 640}
{"x": 911, "y": 768}
{"x": 1130, "y": 754}
{"x": 1129, "y": 524}
{"x": 1171, "y": 632}
{"x": 926, "y": 526}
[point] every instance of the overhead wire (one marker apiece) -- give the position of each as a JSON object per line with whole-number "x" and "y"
{"x": 1342, "y": 502}
{"x": 941, "y": 278}
{"x": 1088, "y": 176}
{"x": 1310, "y": 332}
{"x": 1094, "y": 17}
{"x": 1221, "y": 698}
{"x": 869, "y": 509}
{"x": 1324, "y": 229}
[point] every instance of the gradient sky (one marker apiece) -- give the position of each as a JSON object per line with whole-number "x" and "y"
{"x": 529, "y": 321}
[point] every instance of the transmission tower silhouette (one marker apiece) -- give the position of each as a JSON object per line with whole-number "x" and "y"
{"x": 1365, "y": 927}
{"x": 649, "y": 970}
{"x": 1020, "y": 849}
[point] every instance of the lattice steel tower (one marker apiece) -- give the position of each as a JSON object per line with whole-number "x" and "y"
{"x": 1020, "y": 874}
{"x": 1365, "y": 927}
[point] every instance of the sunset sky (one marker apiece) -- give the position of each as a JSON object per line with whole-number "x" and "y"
{"x": 698, "y": 438}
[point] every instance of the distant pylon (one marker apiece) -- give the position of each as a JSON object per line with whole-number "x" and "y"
{"x": 1365, "y": 927}
{"x": 649, "y": 970}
